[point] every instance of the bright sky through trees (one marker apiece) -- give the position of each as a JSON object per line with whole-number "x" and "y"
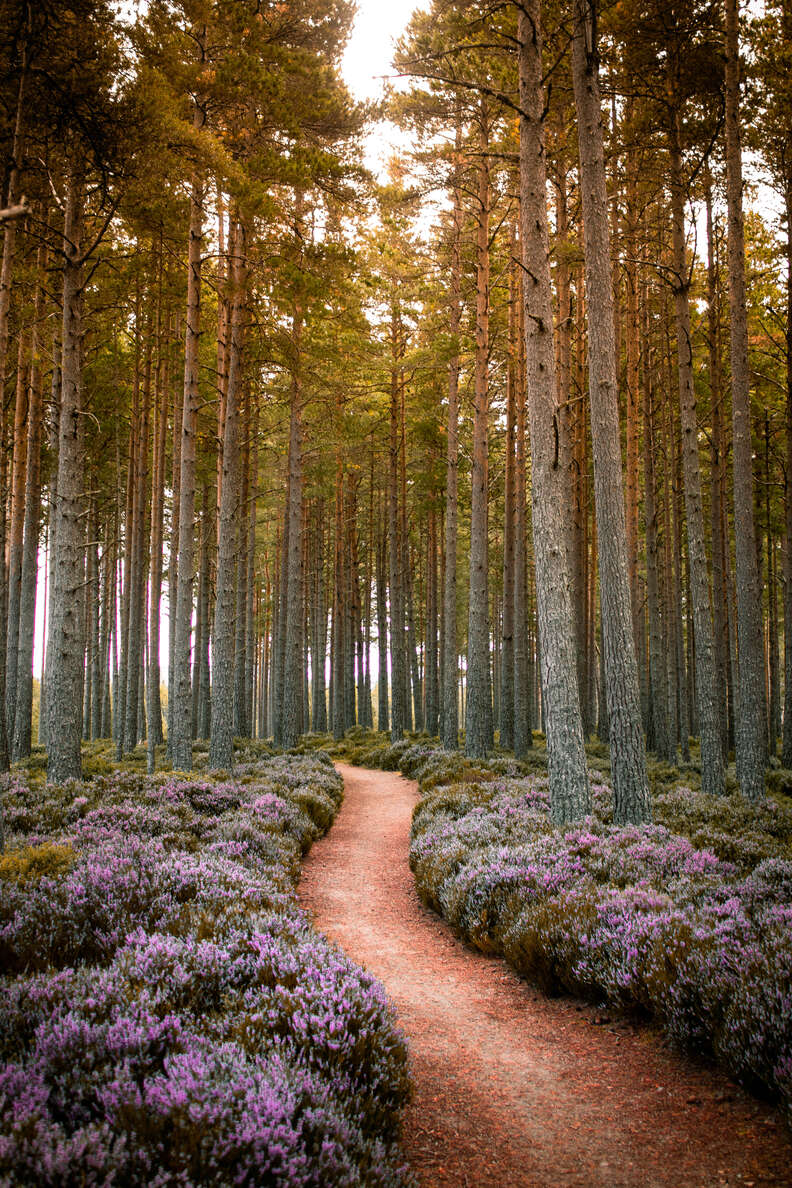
{"x": 370, "y": 49}
{"x": 368, "y": 60}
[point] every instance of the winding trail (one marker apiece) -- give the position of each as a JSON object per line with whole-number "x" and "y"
{"x": 513, "y": 1089}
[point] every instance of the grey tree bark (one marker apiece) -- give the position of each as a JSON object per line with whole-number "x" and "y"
{"x": 707, "y": 693}
{"x": 751, "y": 734}
{"x": 293, "y": 658}
{"x": 22, "y": 726}
{"x": 523, "y": 693}
{"x": 507, "y": 645}
{"x": 16, "y": 524}
{"x": 382, "y": 627}
{"x": 398, "y": 641}
{"x": 242, "y": 524}
{"x": 664, "y": 744}
{"x": 221, "y": 743}
{"x": 154, "y": 707}
{"x": 450, "y": 712}
{"x": 717, "y": 472}
{"x": 628, "y": 760}
{"x": 570, "y": 797}
{"x": 478, "y": 713}
{"x": 173, "y": 559}
{"x": 65, "y": 650}
{"x": 181, "y": 687}
{"x": 137, "y": 576}
{"x": 786, "y": 742}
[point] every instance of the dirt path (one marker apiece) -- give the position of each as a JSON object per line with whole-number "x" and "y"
{"x": 514, "y": 1089}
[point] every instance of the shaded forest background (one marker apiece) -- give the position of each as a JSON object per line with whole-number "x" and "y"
{"x": 501, "y": 445}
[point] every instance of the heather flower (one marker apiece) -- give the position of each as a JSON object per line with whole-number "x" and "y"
{"x": 169, "y": 1015}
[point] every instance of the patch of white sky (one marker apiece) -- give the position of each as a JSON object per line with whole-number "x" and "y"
{"x": 367, "y": 66}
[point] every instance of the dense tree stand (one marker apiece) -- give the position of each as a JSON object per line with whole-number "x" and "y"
{"x": 514, "y": 1088}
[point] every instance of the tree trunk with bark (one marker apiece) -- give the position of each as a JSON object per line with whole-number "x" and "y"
{"x": 450, "y": 712}
{"x": 221, "y": 744}
{"x": 293, "y": 659}
{"x": 181, "y": 690}
{"x": 21, "y": 739}
{"x": 523, "y": 671}
{"x": 65, "y": 650}
{"x": 751, "y": 736}
{"x": 628, "y": 761}
{"x": 478, "y": 714}
{"x": 570, "y": 797}
{"x": 707, "y": 693}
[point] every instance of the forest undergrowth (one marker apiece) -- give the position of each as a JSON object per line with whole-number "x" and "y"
{"x": 168, "y": 1014}
{"x": 686, "y": 921}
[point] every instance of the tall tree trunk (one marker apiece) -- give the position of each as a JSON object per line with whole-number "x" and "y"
{"x": 707, "y": 692}
{"x": 173, "y": 560}
{"x": 16, "y": 525}
{"x": 91, "y": 592}
{"x": 241, "y": 725}
{"x": 412, "y": 640}
{"x": 786, "y": 744}
{"x": 478, "y": 715}
{"x": 181, "y": 726}
{"x": 208, "y": 532}
{"x": 633, "y": 395}
{"x": 154, "y": 708}
{"x": 23, "y": 714}
{"x": 751, "y": 737}
{"x": 717, "y": 467}
{"x": 523, "y": 670}
{"x": 431, "y": 678}
{"x": 397, "y": 633}
{"x": 628, "y": 762}
{"x": 250, "y": 606}
{"x": 221, "y": 746}
{"x": 382, "y": 625}
{"x": 137, "y": 577}
{"x": 293, "y": 660}
{"x": 450, "y": 714}
{"x": 774, "y": 711}
{"x": 663, "y": 743}
{"x": 570, "y": 797}
{"x": 65, "y": 649}
{"x": 107, "y": 620}
{"x": 507, "y": 656}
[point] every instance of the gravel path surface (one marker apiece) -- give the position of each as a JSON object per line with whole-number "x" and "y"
{"x": 515, "y": 1089}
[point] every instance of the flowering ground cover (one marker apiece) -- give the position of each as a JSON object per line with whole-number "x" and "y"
{"x": 168, "y": 1015}
{"x": 687, "y": 920}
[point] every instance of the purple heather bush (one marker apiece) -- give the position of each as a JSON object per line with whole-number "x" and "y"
{"x": 687, "y": 920}
{"x": 168, "y": 1014}
{"x": 650, "y": 918}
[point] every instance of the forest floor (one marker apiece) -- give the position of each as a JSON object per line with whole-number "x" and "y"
{"x": 514, "y": 1089}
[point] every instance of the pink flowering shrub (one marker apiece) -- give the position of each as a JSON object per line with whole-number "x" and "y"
{"x": 687, "y": 920}
{"x": 168, "y": 1014}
